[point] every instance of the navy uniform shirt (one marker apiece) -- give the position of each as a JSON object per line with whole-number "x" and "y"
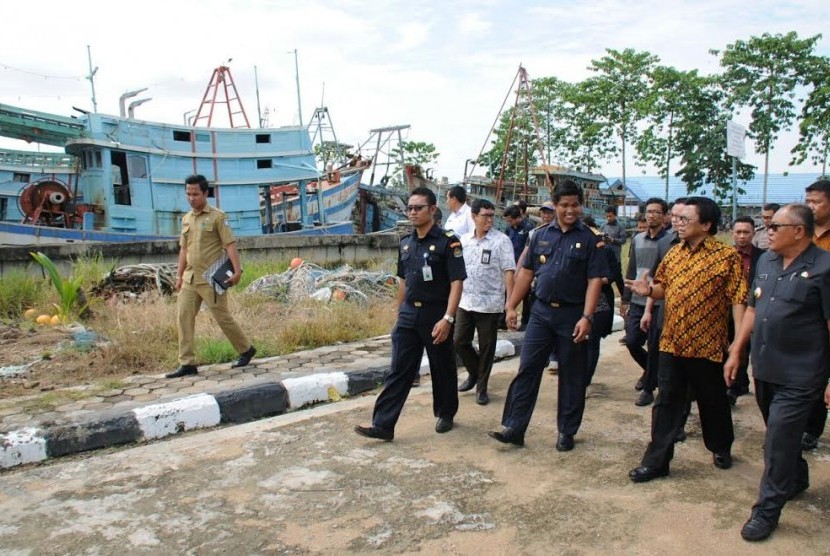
{"x": 518, "y": 237}
{"x": 792, "y": 307}
{"x": 563, "y": 262}
{"x": 441, "y": 251}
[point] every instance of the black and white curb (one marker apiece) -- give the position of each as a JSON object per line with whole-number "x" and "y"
{"x": 199, "y": 411}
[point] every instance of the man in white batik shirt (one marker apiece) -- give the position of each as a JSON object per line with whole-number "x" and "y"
{"x": 490, "y": 265}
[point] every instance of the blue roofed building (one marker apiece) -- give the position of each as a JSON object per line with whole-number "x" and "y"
{"x": 781, "y": 189}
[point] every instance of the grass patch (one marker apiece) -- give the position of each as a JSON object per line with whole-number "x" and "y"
{"x": 19, "y": 291}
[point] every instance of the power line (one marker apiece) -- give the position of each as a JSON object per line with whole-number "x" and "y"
{"x": 36, "y": 74}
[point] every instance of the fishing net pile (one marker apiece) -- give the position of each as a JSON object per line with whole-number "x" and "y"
{"x": 309, "y": 280}
{"x": 133, "y": 280}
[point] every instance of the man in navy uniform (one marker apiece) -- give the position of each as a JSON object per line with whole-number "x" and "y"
{"x": 431, "y": 270}
{"x": 568, "y": 265}
{"x": 788, "y": 318}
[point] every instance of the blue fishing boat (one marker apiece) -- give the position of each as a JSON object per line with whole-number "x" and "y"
{"x": 121, "y": 179}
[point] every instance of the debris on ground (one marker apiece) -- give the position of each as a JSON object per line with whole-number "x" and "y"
{"x": 133, "y": 280}
{"x": 308, "y": 280}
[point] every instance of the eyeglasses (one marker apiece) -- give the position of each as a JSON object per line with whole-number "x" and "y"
{"x": 487, "y": 216}
{"x": 774, "y": 226}
{"x": 415, "y": 208}
{"x": 683, "y": 219}
{"x": 654, "y": 212}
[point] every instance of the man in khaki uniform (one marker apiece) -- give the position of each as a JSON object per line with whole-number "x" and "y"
{"x": 205, "y": 235}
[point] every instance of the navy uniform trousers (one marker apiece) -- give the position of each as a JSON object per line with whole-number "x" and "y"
{"x": 549, "y": 328}
{"x": 786, "y": 410}
{"x": 411, "y": 335}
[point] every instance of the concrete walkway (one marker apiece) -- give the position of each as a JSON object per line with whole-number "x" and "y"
{"x": 148, "y": 407}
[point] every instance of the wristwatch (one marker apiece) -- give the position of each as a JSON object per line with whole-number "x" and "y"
{"x": 449, "y": 318}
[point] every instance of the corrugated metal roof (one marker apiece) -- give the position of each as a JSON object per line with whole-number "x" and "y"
{"x": 781, "y": 188}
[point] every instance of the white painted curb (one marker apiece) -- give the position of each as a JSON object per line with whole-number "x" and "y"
{"x": 193, "y": 412}
{"x": 20, "y": 447}
{"x": 315, "y": 388}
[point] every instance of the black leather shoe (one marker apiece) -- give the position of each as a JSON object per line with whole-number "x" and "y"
{"x": 731, "y": 397}
{"x": 644, "y": 473}
{"x": 375, "y": 432}
{"x": 646, "y": 398}
{"x": 757, "y": 529}
{"x": 245, "y": 358}
{"x": 565, "y": 442}
{"x": 183, "y": 370}
{"x": 482, "y": 398}
{"x": 809, "y": 442}
{"x": 641, "y": 382}
{"x": 722, "y": 460}
{"x": 508, "y": 436}
{"x": 444, "y": 424}
{"x": 468, "y": 384}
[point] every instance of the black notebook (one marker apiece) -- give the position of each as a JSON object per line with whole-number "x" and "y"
{"x": 221, "y": 274}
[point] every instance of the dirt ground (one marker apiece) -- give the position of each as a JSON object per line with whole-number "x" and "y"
{"x": 304, "y": 483}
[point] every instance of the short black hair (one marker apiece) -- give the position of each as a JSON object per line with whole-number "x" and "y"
{"x": 199, "y": 180}
{"x": 522, "y": 204}
{"x": 566, "y": 189}
{"x": 611, "y": 209}
{"x": 424, "y": 192}
{"x": 744, "y": 220}
{"x": 707, "y": 210}
{"x": 822, "y": 186}
{"x": 458, "y": 193}
{"x": 479, "y": 204}
{"x": 774, "y": 206}
{"x": 804, "y": 216}
{"x": 658, "y": 201}
{"x": 680, "y": 201}
{"x": 641, "y": 217}
{"x": 588, "y": 220}
{"x": 513, "y": 211}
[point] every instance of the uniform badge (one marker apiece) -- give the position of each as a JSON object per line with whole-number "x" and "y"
{"x": 432, "y": 248}
{"x": 757, "y": 293}
{"x": 805, "y": 275}
{"x": 542, "y": 259}
{"x": 578, "y": 245}
{"x": 457, "y": 252}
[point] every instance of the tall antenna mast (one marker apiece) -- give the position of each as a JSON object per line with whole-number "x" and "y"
{"x": 297, "y": 74}
{"x": 91, "y": 78}
{"x": 258, "y": 109}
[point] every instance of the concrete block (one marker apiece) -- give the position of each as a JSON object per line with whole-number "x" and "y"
{"x": 252, "y": 402}
{"x": 363, "y": 381}
{"x": 73, "y": 439}
{"x": 193, "y": 412}
{"x": 315, "y": 388}
{"x": 21, "y": 447}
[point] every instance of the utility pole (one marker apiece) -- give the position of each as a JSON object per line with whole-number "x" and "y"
{"x": 91, "y": 78}
{"x": 297, "y": 74}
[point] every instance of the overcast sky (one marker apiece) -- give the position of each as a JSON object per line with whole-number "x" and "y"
{"x": 444, "y": 67}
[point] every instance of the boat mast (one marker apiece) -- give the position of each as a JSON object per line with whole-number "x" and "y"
{"x": 91, "y": 78}
{"x": 297, "y": 75}
{"x": 258, "y": 109}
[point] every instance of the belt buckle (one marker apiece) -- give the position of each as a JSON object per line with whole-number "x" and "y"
{"x": 417, "y": 303}
{"x": 554, "y": 304}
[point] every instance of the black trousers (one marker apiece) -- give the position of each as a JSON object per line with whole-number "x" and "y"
{"x": 785, "y": 410}
{"x": 818, "y": 418}
{"x": 635, "y": 338}
{"x": 549, "y": 328}
{"x": 603, "y": 321}
{"x": 667, "y": 415}
{"x": 479, "y": 364}
{"x": 411, "y": 335}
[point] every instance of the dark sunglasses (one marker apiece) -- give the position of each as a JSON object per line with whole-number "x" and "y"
{"x": 774, "y": 226}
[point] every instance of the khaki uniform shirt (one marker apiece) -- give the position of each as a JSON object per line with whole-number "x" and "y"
{"x": 823, "y": 240}
{"x": 205, "y": 236}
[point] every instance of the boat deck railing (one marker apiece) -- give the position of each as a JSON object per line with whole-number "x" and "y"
{"x": 35, "y": 160}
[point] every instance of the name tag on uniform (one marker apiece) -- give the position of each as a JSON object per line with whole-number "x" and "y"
{"x": 426, "y": 270}
{"x": 485, "y": 256}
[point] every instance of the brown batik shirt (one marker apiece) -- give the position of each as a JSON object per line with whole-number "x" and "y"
{"x": 701, "y": 286}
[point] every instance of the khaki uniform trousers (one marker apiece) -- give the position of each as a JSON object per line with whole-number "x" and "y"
{"x": 189, "y": 302}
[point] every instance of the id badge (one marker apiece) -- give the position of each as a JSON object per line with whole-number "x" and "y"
{"x": 426, "y": 270}
{"x": 485, "y": 256}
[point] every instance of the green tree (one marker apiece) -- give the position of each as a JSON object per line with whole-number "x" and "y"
{"x": 762, "y": 74}
{"x": 814, "y": 128}
{"x": 418, "y": 153}
{"x": 616, "y": 99}
{"x": 332, "y": 151}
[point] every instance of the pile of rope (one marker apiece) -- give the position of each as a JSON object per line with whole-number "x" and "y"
{"x": 133, "y": 280}
{"x": 309, "y": 280}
